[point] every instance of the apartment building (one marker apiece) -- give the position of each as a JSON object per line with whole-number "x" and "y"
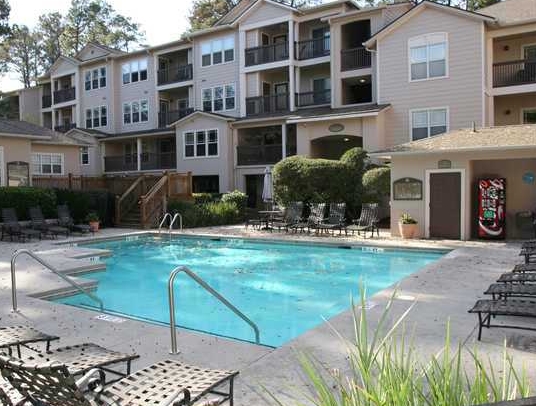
{"x": 268, "y": 81}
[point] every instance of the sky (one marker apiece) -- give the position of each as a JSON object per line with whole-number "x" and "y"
{"x": 162, "y": 20}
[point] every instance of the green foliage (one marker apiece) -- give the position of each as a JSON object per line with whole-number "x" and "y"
{"x": 83, "y": 202}
{"x": 406, "y": 218}
{"x": 386, "y": 368}
{"x": 237, "y": 197}
{"x": 22, "y": 198}
{"x": 205, "y": 13}
{"x": 49, "y": 31}
{"x": 22, "y": 55}
{"x": 377, "y": 184}
{"x": 200, "y": 198}
{"x": 92, "y": 217}
{"x": 206, "y": 214}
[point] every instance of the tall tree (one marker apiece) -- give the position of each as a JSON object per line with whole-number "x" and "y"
{"x": 4, "y": 32}
{"x": 49, "y": 30}
{"x": 23, "y": 54}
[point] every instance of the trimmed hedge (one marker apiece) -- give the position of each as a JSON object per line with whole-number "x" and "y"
{"x": 201, "y": 198}
{"x": 237, "y": 197}
{"x": 206, "y": 214}
{"x": 377, "y": 184}
{"x": 22, "y": 198}
{"x": 82, "y": 202}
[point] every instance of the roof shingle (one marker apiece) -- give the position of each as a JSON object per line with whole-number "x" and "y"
{"x": 18, "y": 127}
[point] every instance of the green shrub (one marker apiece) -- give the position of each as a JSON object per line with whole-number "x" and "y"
{"x": 201, "y": 198}
{"x": 377, "y": 184}
{"x": 22, "y": 198}
{"x": 82, "y": 202}
{"x": 237, "y": 197}
{"x": 207, "y": 214}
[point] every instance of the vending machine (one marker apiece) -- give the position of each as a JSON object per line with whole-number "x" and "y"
{"x": 492, "y": 208}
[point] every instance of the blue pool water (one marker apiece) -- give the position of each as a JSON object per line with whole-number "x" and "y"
{"x": 286, "y": 289}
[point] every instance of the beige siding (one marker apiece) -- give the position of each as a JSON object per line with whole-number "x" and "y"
{"x": 97, "y": 97}
{"x": 91, "y": 52}
{"x": 15, "y": 149}
{"x": 30, "y": 105}
{"x": 392, "y": 13}
{"x": 71, "y": 155}
{"x": 252, "y": 38}
{"x": 510, "y": 48}
{"x": 461, "y": 92}
{"x": 252, "y": 84}
{"x": 508, "y": 109}
{"x": 314, "y": 72}
{"x": 265, "y": 12}
{"x": 64, "y": 67}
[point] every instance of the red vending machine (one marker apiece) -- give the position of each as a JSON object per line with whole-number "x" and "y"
{"x": 492, "y": 208}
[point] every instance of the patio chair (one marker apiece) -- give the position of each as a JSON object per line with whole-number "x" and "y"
{"x": 17, "y": 336}
{"x": 316, "y": 216}
{"x": 39, "y": 223}
{"x": 165, "y": 383}
{"x": 486, "y": 309}
{"x": 528, "y": 252}
{"x": 12, "y": 227}
{"x": 292, "y": 216}
{"x": 336, "y": 218}
{"x": 65, "y": 220}
{"x": 509, "y": 290}
{"x": 368, "y": 220}
{"x": 525, "y": 268}
{"x": 253, "y": 219}
{"x": 517, "y": 277}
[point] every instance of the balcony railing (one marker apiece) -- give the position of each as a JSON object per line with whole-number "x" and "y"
{"x": 312, "y": 48}
{"x": 174, "y": 74}
{"x": 64, "y": 127}
{"x": 168, "y": 117}
{"x": 64, "y": 95}
{"x": 162, "y": 160}
{"x": 267, "y": 104}
{"x": 355, "y": 58}
{"x": 266, "y": 54}
{"x": 258, "y": 154}
{"x": 313, "y": 98}
{"x": 46, "y": 101}
{"x": 121, "y": 163}
{"x": 514, "y": 73}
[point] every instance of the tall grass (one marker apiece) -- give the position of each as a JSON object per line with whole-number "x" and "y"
{"x": 387, "y": 370}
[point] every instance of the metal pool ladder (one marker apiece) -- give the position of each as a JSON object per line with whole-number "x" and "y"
{"x": 210, "y": 290}
{"x": 51, "y": 268}
{"x": 172, "y": 221}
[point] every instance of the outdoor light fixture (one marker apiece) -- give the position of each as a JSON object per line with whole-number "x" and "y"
{"x": 346, "y": 139}
{"x": 362, "y": 80}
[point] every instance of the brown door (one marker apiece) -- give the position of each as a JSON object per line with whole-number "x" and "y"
{"x": 445, "y": 205}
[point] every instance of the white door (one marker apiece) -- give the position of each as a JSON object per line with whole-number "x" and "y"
{"x": 2, "y": 166}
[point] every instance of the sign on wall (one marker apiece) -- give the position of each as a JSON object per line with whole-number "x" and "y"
{"x": 336, "y": 128}
{"x": 407, "y": 189}
{"x": 18, "y": 173}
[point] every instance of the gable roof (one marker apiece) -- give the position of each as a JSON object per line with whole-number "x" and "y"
{"x": 235, "y": 12}
{"x": 482, "y": 139}
{"x": 61, "y": 58}
{"x": 201, "y": 113}
{"x": 24, "y": 129}
{"x": 511, "y": 12}
{"x": 408, "y": 15}
{"x": 106, "y": 49}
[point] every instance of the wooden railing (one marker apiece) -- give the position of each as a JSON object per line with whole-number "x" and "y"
{"x": 312, "y": 48}
{"x": 128, "y": 200}
{"x": 266, "y": 54}
{"x": 175, "y": 73}
{"x": 267, "y": 104}
{"x": 355, "y": 58}
{"x": 514, "y": 73}
{"x": 313, "y": 98}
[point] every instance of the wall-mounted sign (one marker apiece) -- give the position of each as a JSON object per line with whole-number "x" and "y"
{"x": 444, "y": 164}
{"x": 18, "y": 173}
{"x": 407, "y": 189}
{"x": 336, "y": 128}
{"x": 528, "y": 177}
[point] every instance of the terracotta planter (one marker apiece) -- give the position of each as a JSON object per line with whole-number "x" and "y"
{"x": 408, "y": 230}
{"x": 94, "y": 226}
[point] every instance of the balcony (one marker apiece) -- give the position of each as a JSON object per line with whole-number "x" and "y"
{"x": 162, "y": 160}
{"x": 312, "y": 48}
{"x": 121, "y": 163}
{"x": 313, "y": 98}
{"x": 266, "y": 54}
{"x": 258, "y": 154}
{"x": 46, "y": 101}
{"x": 278, "y": 103}
{"x": 64, "y": 95}
{"x": 514, "y": 73}
{"x": 355, "y": 58}
{"x": 175, "y": 74}
{"x": 64, "y": 128}
{"x": 167, "y": 117}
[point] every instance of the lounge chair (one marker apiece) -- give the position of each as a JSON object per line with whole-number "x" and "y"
{"x": 336, "y": 218}
{"x": 65, "y": 220}
{"x": 12, "y": 227}
{"x": 528, "y": 253}
{"x": 517, "y": 277}
{"x": 486, "y": 309}
{"x": 39, "y": 223}
{"x": 507, "y": 290}
{"x": 292, "y": 216}
{"x": 368, "y": 220}
{"x": 316, "y": 216}
{"x": 17, "y": 336}
{"x": 525, "y": 268}
{"x": 165, "y": 383}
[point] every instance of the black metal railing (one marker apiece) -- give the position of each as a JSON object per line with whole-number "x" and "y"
{"x": 355, "y": 58}
{"x": 46, "y": 101}
{"x": 64, "y": 95}
{"x": 514, "y": 73}
{"x": 258, "y": 154}
{"x": 313, "y": 98}
{"x": 64, "y": 127}
{"x": 174, "y": 74}
{"x": 312, "y": 48}
{"x": 266, "y": 54}
{"x": 267, "y": 104}
{"x": 121, "y": 163}
{"x": 167, "y": 117}
{"x": 162, "y": 160}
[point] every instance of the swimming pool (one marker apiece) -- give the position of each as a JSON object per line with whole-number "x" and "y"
{"x": 285, "y": 288}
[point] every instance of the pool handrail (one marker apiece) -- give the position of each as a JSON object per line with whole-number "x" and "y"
{"x": 171, "y": 221}
{"x": 163, "y": 221}
{"x": 51, "y": 268}
{"x": 209, "y": 289}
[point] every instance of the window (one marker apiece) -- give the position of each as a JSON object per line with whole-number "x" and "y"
{"x": 529, "y": 116}
{"x": 97, "y": 117}
{"x": 135, "y": 112}
{"x": 206, "y": 184}
{"x": 529, "y": 52}
{"x": 428, "y": 56}
{"x": 217, "y": 51}
{"x": 427, "y": 123}
{"x": 95, "y": 78}
{"x": 47, "y": 164}
{"x": 84, "y": 155}
{"x": 219, "y": 98}
{"x": 134, "y": 71}
{"x": 201, "y": 143}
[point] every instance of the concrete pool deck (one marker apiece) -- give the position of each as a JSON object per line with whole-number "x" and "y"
{"x": 444, "y": 291}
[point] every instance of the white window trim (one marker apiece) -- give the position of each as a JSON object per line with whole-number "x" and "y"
{"x": 130, "y": 72}
{"x": 212, "y": 97}
{"x": 41, "y": 167}
{"x": 130, "y": 104}
{"x": 523, "y": 110}
{"x": 409, "y": 45}
{"x": 3, "y": 167}
{"x": 522, "y": 56}
{"x": 99, "y": 78}
{"x": 195, "y": 144}
{"x": 427, "y": 109}
{"x": 223, "y": 62}
{"x": 100, "y": 116}
{"x": 88, "y": 157}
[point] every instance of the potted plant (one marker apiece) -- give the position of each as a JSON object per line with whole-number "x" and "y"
{"x": 408, "y": 226}
{"x": 94, "y": 221}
